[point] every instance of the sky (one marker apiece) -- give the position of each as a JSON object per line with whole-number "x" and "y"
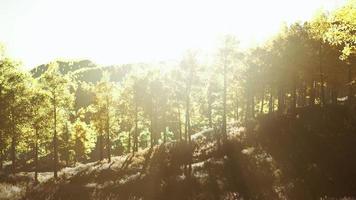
{"x": 123, "y": 31}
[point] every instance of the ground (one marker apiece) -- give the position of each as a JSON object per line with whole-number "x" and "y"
{"x": 273, "y": 157}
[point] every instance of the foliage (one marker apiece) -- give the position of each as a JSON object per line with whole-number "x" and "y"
{"x": 77, "y": 111}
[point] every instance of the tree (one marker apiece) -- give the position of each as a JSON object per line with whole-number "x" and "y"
{"x": 227, "y": 58}
{"x": 83, "y": 140}
{"x": 59, "y": 89}
{"x": 138, "y": 88}
{"x": 125, "y": 114}
{"x": 342, "y": 32}
{"x": 318, "y": 28}
{"x": 38, "y": 117}
{"x": 295, "y": 50}
{"x": 13, "y": 92}
{"x": 189, "y": 67}
{"x": 177, "y": 96}
{"x": 104, "y": 112}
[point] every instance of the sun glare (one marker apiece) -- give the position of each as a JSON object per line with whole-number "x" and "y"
{"x": 109, "y": 32}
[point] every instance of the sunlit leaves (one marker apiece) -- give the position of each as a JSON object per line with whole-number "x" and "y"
{"x": 83, "y": 140}
{"x": 343, "y": 29}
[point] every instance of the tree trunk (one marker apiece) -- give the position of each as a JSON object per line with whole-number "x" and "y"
{"x": 224, "y": 133}
{"x": 350, "y": 96}
{"x": 237, "y": 109}
{"x": 187, "y": 119}
{"x": 55, "y": 145}
{"x": 155, "y": 128}
{"x": 164, "y": 135}
{"x": 66, "y": 142}
{"x": 270, "y": 103}
{"x": 152, "y": 138}
{"x": 294, "y": 95}
{"x": 322, "y": 91}
{"x": 129, "y": 143}
{"x": 36, "y": 154}
{"x": 312, "y": 94}
{"x": 280, "y": 100}
{"x": 13, "y": 142}
{"x": 262, "y": 102}
{"x": 247, "y": 106}
{"x": 273, "y": 104}
{"x": 135, "y": 145}
{"x": 1, "y": 159}
{"x": 187, "y": 125}
{"x": 101, "y": 146}
{"x": 13, "y": 152}
{"x": 179, "y": 124}
{"x": 108, "y": 143}
{"x": 303, "y": 95}
{"x": 209, "y": 109}
{"x": 1, "y": 147}
{"x": 252, "y": 106}
{"x": 334, "y": 95}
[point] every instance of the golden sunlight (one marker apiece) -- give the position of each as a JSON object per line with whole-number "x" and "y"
{"x": 177, "y": 99}
{"x": 110, "y": 31}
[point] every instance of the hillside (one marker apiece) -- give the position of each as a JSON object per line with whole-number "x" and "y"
{"x": 160, "y": 173}
{"x": 85, "y": 71}
{"x": 89, "y": 72}
{"x": 64, "y": 67}
{"x": 274, "y": 157}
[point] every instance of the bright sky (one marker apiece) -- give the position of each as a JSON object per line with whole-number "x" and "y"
{"x": 118, "y": 31}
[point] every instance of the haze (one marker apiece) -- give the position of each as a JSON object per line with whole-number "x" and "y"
{"x": 107, "y": 32}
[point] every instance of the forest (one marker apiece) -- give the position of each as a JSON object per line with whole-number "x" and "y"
{"x": 275, "y": 121}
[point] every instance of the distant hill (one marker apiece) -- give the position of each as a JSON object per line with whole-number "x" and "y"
{"x": 64, "y": 67}
{"x": 86, "y": 71}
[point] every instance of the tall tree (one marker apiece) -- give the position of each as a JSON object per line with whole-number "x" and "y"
{"x": 59, "y": 89}
{"x": 342, "y": 33}
{"x": 82, "y": 140}
{"x": 227, "y": 58}
{"x": 13, "y": 92}
{"x": 104, "y": 112}
{"x": 39, "y": 113}
{"x": 189, "y": 66}
{"x": 318, "y": 27}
